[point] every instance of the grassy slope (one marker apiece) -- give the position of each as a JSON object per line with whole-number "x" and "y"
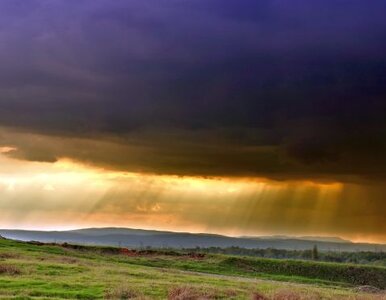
{"x": 49, "y": 272}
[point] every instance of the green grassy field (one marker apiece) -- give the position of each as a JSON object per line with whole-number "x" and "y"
{"x": 29, "y": 271}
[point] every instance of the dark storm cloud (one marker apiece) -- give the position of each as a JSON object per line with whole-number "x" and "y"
{"x": 267, "y": 88}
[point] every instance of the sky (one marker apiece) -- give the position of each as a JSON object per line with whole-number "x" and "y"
{"x": 234, "y": 117}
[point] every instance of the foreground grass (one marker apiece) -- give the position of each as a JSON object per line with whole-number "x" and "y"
{"x": 53, "y": 272}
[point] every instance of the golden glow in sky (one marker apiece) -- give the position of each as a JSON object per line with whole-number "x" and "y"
{"x": 111, "y": 119}
{"x": 66, "y": 194}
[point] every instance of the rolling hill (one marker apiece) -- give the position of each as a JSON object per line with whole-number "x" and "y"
{"x": 137, "y": 238}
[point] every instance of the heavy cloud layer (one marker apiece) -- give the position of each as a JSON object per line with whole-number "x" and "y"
{"x": 271, "y": 88}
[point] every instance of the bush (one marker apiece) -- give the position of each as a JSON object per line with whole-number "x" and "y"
{"x": 258, "y": 296}
{"x": 9, "y": 270}
{"x": 188, "y": 293}
{"x": 123, "y": 292}
{"x": 6, "y": 255}
{"x": 345, "y": 273}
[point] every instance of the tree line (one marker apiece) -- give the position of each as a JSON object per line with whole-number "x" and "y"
{"x": 359, "y": 257}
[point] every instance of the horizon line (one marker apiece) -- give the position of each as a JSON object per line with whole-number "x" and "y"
{"x": 282, "y": 236}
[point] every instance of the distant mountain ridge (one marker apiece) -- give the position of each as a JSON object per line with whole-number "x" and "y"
{"x": 115, "y": 230}
{"x": 137, "y": 238}
{"x": 306, "y": 238}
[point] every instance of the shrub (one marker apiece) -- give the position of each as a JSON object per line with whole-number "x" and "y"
{"x": 6, "y": 255}
{"x": 123, "y": 292}
{"x": 9, "y": 269}
{"x": 258, "y": 296}
{"x": 188, "y": 293}
{"x": 351, "y": 274}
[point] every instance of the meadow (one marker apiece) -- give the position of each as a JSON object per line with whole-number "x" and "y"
{"x": 49, "y": 271}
